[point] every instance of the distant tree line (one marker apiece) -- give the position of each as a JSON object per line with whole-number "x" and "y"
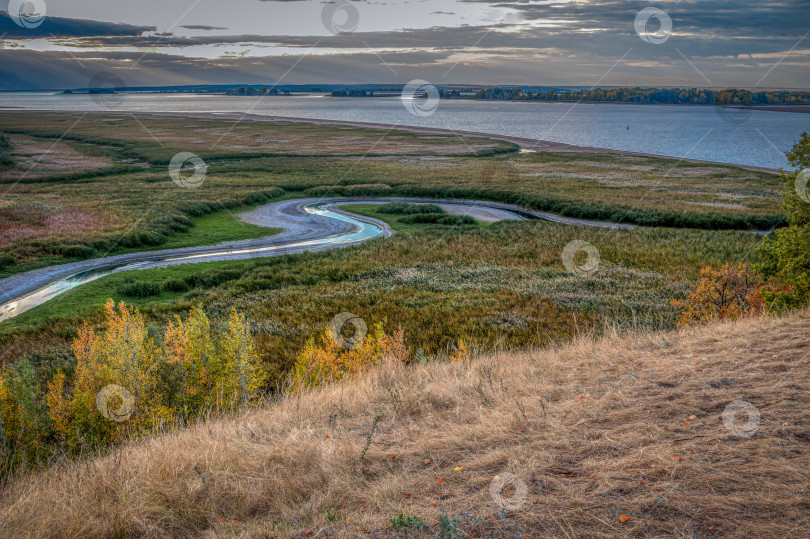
{"x": 353, "y": 93}
{"x": 249, "y": 90}
{"x": 693, "y": 96}
{"x": 370, "y": 93}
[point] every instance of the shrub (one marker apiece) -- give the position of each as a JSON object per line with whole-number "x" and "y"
{"x": 785, "y": 256}
{"x": 213, "y": 278}
{"x": 729, "y": 293}
{"x": 6, "y": 261}
{"x": 139, "y": 289}
{"x": 438, "y": 218}
{"x": 5, "y": 143}
{"x": 330, "y": 362}
{"x": 6, "y": 161}
{"x": 176, "y": 372}
{"x": 408, "y": 208}
{"x": 176, "y": 285}
{"x": 78, "y": 251}
{"x": 456, "y": 220}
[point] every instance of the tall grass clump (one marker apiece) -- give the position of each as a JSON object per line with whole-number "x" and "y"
{"x": 6, "y": 159}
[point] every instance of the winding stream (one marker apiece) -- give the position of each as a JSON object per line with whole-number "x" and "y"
{"x": 350, "y": 229}
{"x": 310, "y": 224}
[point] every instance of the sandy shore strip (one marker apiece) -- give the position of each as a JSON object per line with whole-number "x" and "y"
{"x": 524, "y": 143}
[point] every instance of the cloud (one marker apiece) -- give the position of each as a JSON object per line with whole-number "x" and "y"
{"x": 202, "y": 27}
{"x": 62, "y": 27}
{"x": 557, "y": 43}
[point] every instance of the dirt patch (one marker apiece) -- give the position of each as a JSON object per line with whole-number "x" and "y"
{"x": 39, "y": 157}
{"x": 23, "y": 218}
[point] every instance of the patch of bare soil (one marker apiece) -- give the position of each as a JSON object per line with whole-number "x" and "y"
{"x": 38, "y": 157}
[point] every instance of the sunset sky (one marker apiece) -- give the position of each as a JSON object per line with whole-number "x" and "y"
{"x": 713, "y": 43}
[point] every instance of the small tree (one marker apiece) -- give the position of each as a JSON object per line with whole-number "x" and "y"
{"x": 59, "y": 407}
{"x": 190, "y": 347}
{"x": 241, "y": 375}
{"x": 729, "y": 293}
{"x": 26, "y": 419}
{"x": 124, "y": 355}
{"x": 785, "y": 255}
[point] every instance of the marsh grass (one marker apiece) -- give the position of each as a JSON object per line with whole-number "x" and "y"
{"x": 501, "y": 286}
{"x": 131, "y": 205}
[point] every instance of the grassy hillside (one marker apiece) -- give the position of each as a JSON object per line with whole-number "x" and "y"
{"x": 615, "y": 437}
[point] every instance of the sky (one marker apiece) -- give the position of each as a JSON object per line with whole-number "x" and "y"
{"x": 51, "y": 44}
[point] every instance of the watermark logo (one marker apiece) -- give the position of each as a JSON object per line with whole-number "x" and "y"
{"x": 27, "y": 13}
{"x": 184, "y": 162}
{"x": 341, "y": 321}
{"x": 420, "y": 98}
{"x": 801, "y": 185}
{"x": 645, "y": 24}
{"x": 504, "y": 482}
{"x": 115, "y": 403}
{"x": 591, "y": 263}
{"x": 734, "y": 427}
{"x": 105, "y": 89}
{"x": 340, "y": 17}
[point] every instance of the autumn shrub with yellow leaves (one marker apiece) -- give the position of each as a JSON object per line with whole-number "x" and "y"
{"x": 329, "y": 361}
{"x": 188, "y": 372}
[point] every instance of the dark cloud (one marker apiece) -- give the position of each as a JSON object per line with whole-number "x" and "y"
{"x": 202, "y": 27}
{"x": 61, "y": 27}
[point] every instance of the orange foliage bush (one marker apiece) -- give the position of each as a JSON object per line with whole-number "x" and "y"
{"x": 729, "y": 293}
{"x": 329, "y": 361}
{"x": 460, "y": 353}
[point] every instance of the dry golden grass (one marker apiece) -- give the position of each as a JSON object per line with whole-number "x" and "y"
{"x": 625, "y": 425}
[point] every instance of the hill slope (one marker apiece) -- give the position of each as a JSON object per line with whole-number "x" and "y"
{"x": 595, "y": 431}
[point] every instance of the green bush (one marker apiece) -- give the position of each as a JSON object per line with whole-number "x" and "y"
{"x": 5, "y": 143}
{"x": 438, "y": 218}
{"x": 139, "y": 289}
{"x": 213, "y": 278}
{"x": 176, "y": 285}
{"x": 407, "y": 208}
{"x": 784, "y": 256}
{"x": 78, "y": 251}
{"x": 6, "y": 261}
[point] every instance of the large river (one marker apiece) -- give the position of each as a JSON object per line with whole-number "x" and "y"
{"x": 749, "y": 137}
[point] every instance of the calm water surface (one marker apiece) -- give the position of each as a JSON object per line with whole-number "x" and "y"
{"x": 756, "y": 138}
